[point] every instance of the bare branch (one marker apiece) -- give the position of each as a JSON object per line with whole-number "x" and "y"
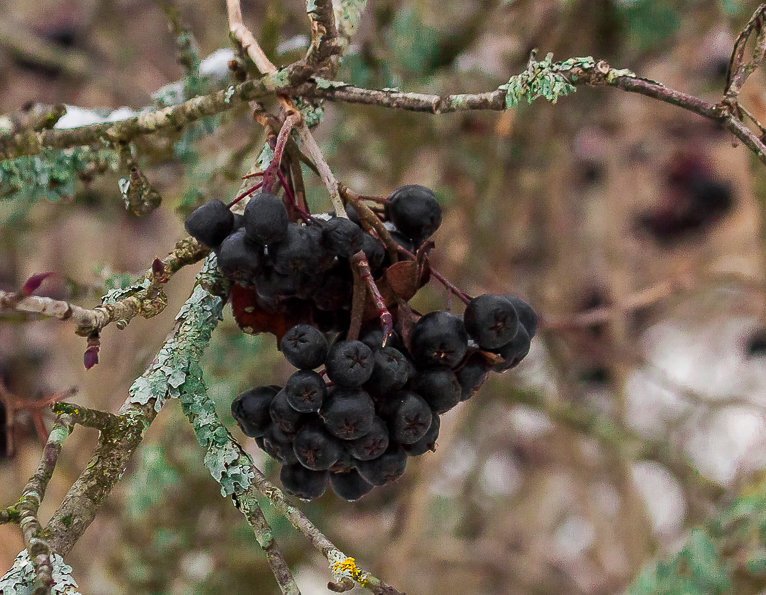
{"x": 739, "y": 70}
{"x": 246, "y": 39}
{"x": 324, "y": 33}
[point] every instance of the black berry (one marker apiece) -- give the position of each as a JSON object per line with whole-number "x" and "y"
{"x": 349, "y": 485}
{"x": 283, "y": 415}
{"x": 427, "y": 442}
{"x": 415, "y": 212}
{"x": 315, "y": 448}
{"x": 349, "y": 363}
{"x": 527, "y": 315}
{"x": 348, "y": 413}
{"x": 251, "y": 410}
{"x": 390, "y": 372}
{"x": 373, "y": 444}
{"x": 439, "y": 339}
{"x": 513, "y": 352}
{"x": 305, "y": 391}
{"x": 266, "y": 219}
{"x": 210, "y": 223}
{"x": 439, "y": 387}
{"x": 386, "y": 468}
{"x": 342, "y": 236}
{"x": 472, "y": 375}
{"x": 304, "y": 346}
{"x": 238, "y": 259}
{"x": 491, "y": 320}
{"x": 410, "y": 419}
{"x": 303, "y": 483}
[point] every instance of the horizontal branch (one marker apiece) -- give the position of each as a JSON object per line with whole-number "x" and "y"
{"x": 144, "y": 298}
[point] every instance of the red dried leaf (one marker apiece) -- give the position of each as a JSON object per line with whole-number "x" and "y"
{"x": 253, "y": 317}
{"x": 31, "y": 284}
{"x": 91, "y": 357}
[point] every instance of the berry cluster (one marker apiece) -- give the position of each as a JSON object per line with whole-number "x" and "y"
{"x": 376, "y": 399}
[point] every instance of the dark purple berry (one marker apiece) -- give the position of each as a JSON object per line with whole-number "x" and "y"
{"x": 301, "y": 252}
{"x": 527, "y": 315}
{"x": 373, "y": 444}
{"x": 439, "y": 387}
{"x": 374, "y": 251}
{"x": 349, "y": 363}
{"x": 373, "y": 338}
{"x": 305, "y": 391}
{"x": 342, "y": 236}
{"x": 410, "y": 419}
{"x": 251, "y": 410}
{"x": 427, "y": 442}
{"x": 277, "y": 445}
{"x": 415, "y": 212}
{"x": 349, "y": 485}
{"x": 210, "y": 223}
{"x": 283, "y": 415}
{"x": 386, "y": 468}
{"x": 304, "y": 346}
{"x": 391, "y": 371}
{"x": 756, "y": 343}
{"x": 238, "y": 259}
{"x": 439, "y": 339}
{"x": 266, "y": 219}
{"x": 513, "y": 352}
{"x": 472, "y": 375}
{"x": 315, "y": 448}
{"x": 303, "y": 483}
{"x": 348, "y": 413}
{"x": 491, "y": 320}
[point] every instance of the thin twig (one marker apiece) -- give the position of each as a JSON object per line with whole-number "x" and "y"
{"x": 739, "y": 71}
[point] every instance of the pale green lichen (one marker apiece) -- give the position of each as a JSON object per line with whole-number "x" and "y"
{"x": 543, "y": 79}
{"x": 20, "y": 579}
{"x": 178, "y": 357}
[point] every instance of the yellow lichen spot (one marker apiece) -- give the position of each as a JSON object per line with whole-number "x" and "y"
{"x": 347, "y": 567}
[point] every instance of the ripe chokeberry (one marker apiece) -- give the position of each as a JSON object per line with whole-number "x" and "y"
{"x": 302, "y": 482}
{"x": 513, "y": 352}
{"x": 210, "y": 223}
{"x": 439, "y": 339}
{"x": 427, "y": 442}
{"x": 251, "y": 410}
{"x": 386, "y": 468}
{"x": 415, "y": 212}
{"x": 349, "y": 485}
{"x": 266, "y": 219}
{"x": 342, "y": 236}
{"x": 315, "y": 448}
{"x": 283, "y": 415}
{"x": 348, "y": 413}
{"x": 527, "y": 315}
{"x": 349, "y": 363}
{"x": 410, "y": 419}
{"x": 305, "y": 391}
{"x": 491, "y": 320}
{"x": 390, "y": 372}
{"x": 304, "y": 346}
{"x": 472, "y": 375}
{"x": 373, "y": 444}
{"x": 238, "y": 259}
{"x": 439, "y": 387}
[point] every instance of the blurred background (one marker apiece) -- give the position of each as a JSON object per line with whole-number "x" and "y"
{"x": 633, "y": 227}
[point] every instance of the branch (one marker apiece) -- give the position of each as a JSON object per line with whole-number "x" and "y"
{"x": 324, "y": 33}
{"x": 167, "y": 119}
{"x": 144, "y": 297}
{"x": 165, "y": 378}
{"x": 246, "y": 39}
{"x": 35, "y": 540}
{"x": 738, "y": 71}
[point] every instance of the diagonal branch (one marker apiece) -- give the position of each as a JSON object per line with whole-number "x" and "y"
{"x": 739, "y": 70}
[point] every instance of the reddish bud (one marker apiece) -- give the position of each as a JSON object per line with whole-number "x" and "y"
{"x": 91, "y": 358}
{"x": 31, "y": 284}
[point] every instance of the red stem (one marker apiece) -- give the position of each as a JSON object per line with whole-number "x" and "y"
{"x": 386, "y": 320}
{"x": 440, "y": 278}
{"x": 270, "y": 175}
{"x": 305, "y": 215}
{"x": 244, "y": 194}
{"x": 252, "y": 175}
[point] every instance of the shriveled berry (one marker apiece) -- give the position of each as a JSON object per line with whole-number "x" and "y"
{"x": 210, "y": 223}
{"x": 513, "y": 352}
{"x": 305, "y": 391}
{"x": 373, "y": 444}
{"x": 439, "y": 387}
{"x": 349, "y": 363}
{"x": 304, "y": 346}
{"x": 285, "y": 417}
{"x": 472, "y": 375}
{"x": 300, "y": 252}
{"x": 335, "y": 289}
{"x": 411, "y": 418}
{"x": 302, "y": 482}
{"x": 349, "y": 485}
{"x": 491, "y": 320}
{"x": 251, "y": 410}
{"x": 527, "y": 315}
{"x": 386, "y": 468}
{"x": 415, "y": 212}
{"x": 266, "y": 219}
{"x": 391, "y": 370}
{"x": 315, "y": 448}
{"x": 238, "y": 259}
{"x": 427, "y": 442}
{"x": 439, "y": 339}
{"x": 348, "y": 413}
{"x": 342, "y": 236}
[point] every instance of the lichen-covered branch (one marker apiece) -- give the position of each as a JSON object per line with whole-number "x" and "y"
{"x": 739, "y": 70}
{"x": 324, "y": 34}
{"x": 165, "y": 377}
{"x": 145, "y": 298}
{"x": 34, "y": 538}
{"x": 88, "y": 418}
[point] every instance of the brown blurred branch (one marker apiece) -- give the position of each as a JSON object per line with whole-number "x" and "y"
{"x": 147, "y": 301}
